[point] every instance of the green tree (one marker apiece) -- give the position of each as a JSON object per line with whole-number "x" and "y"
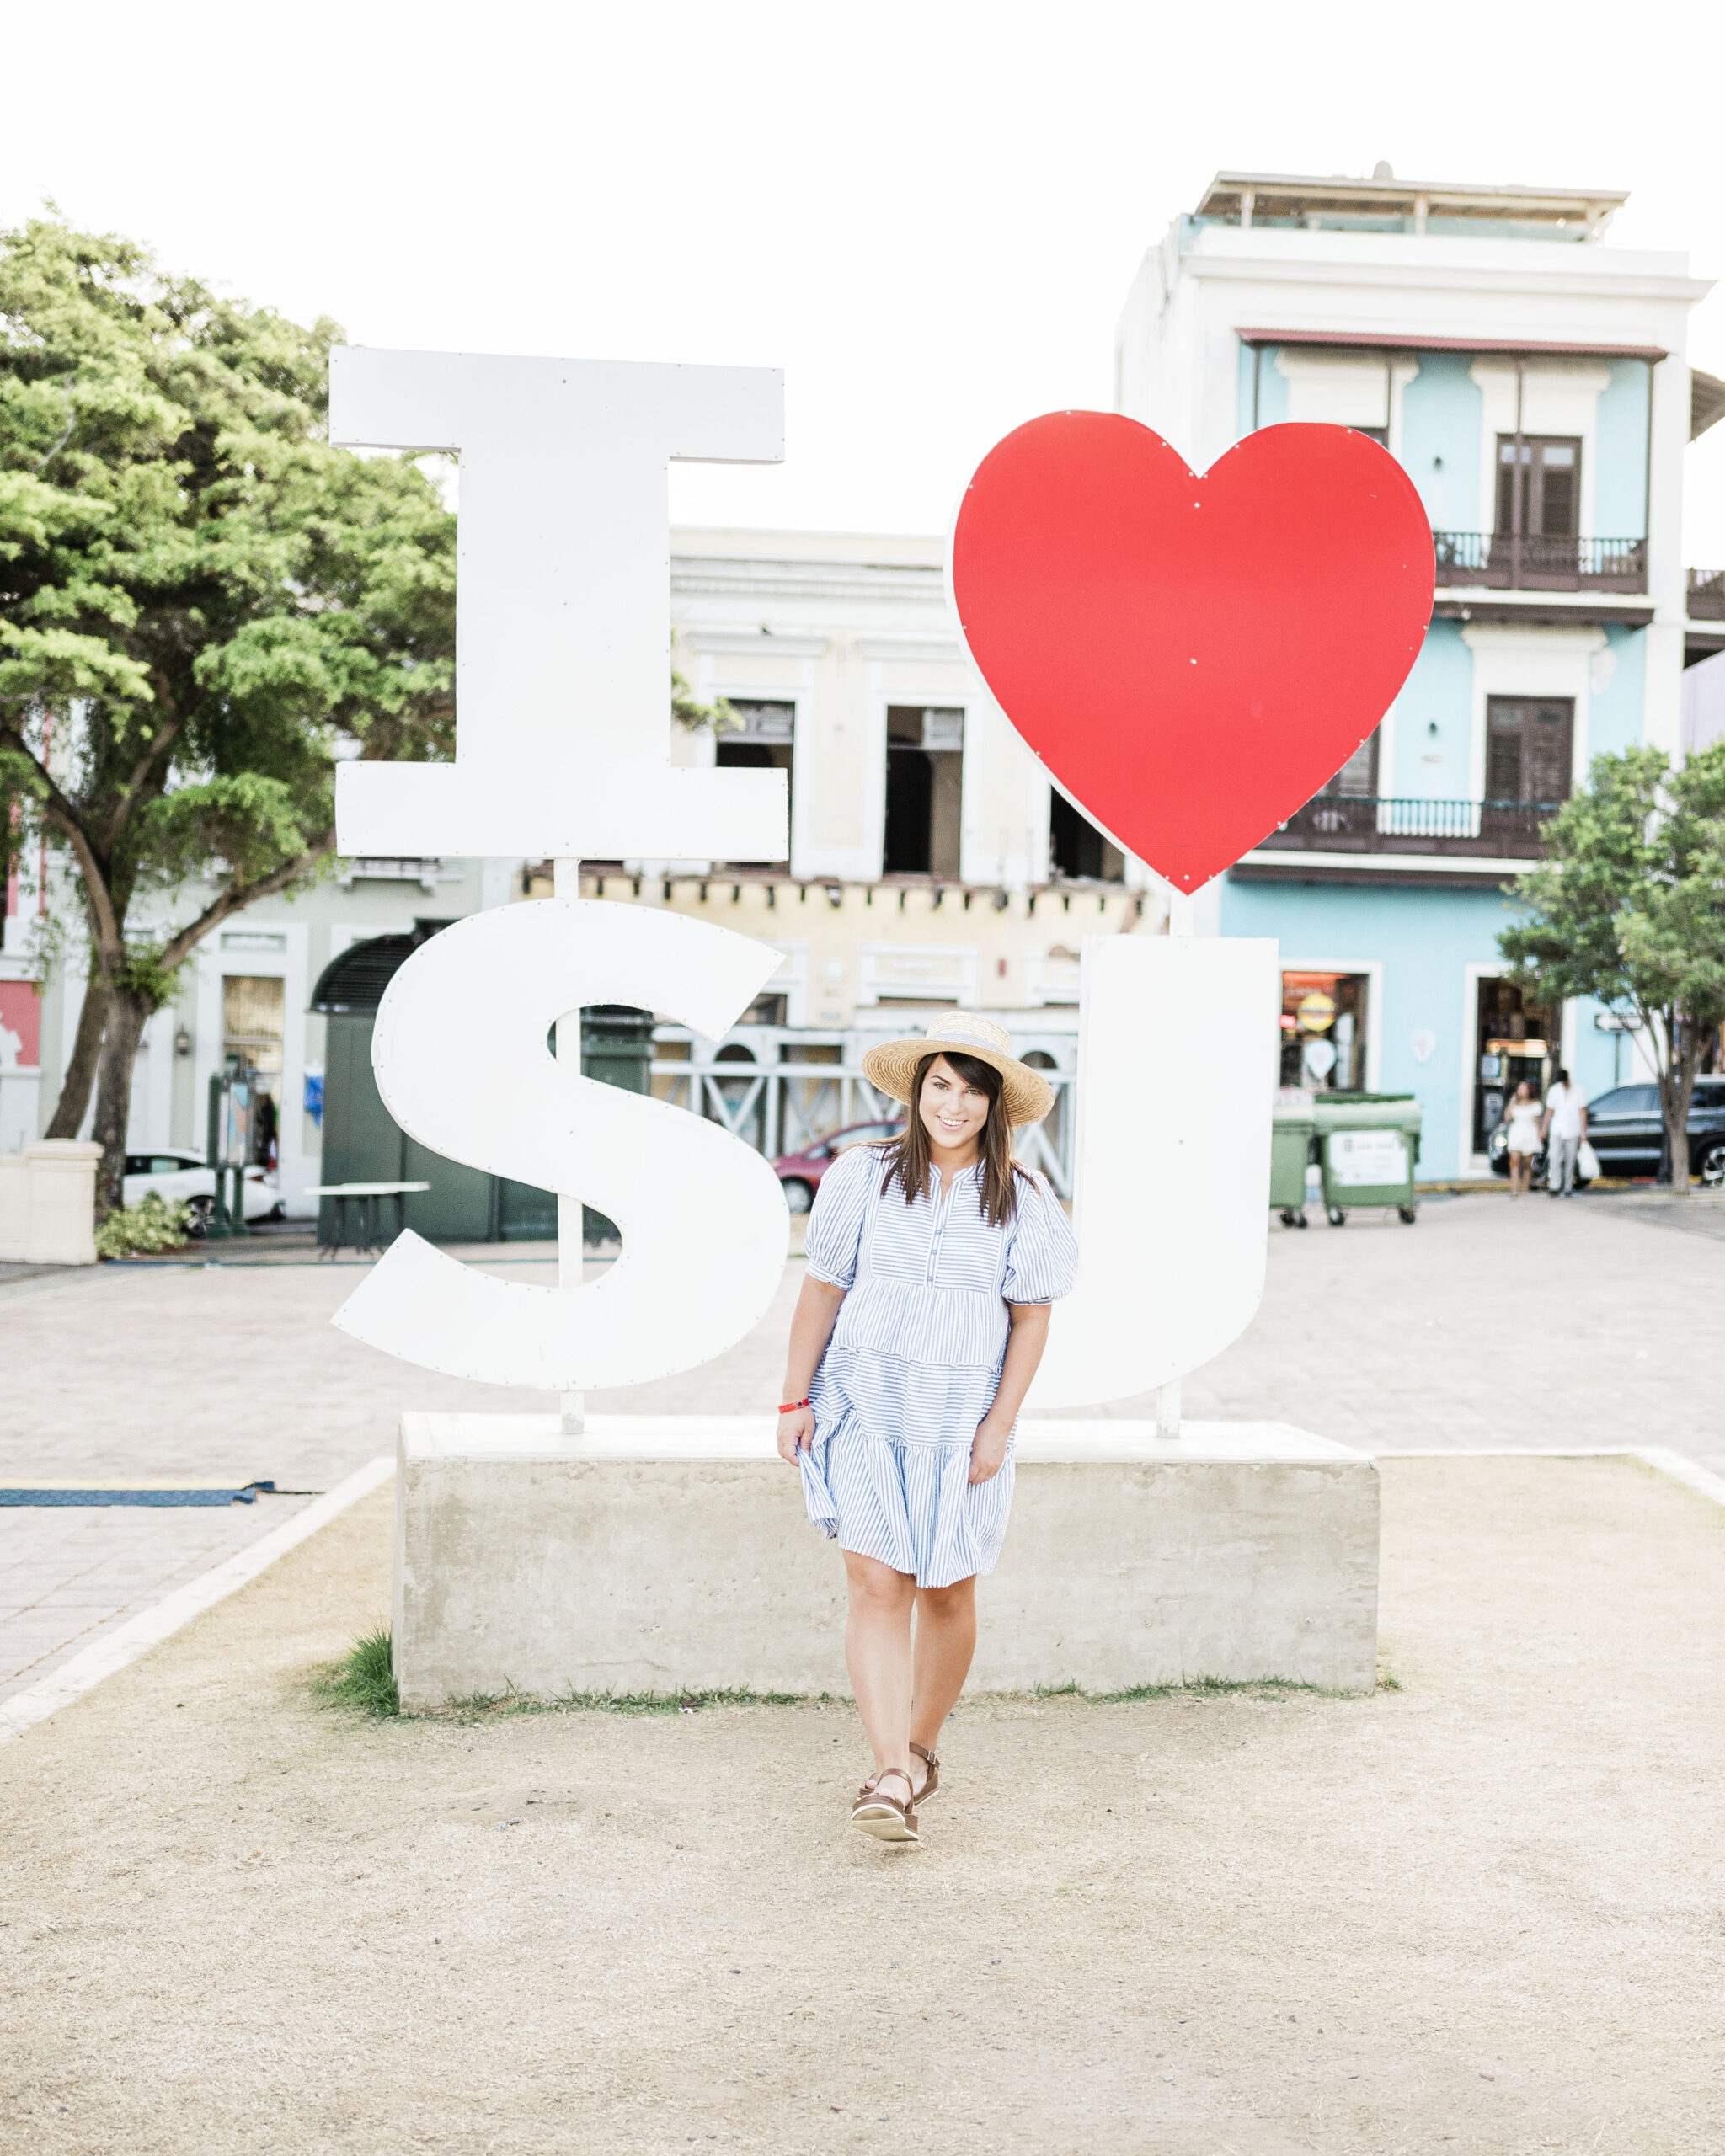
{"x": 1628, "y": 906}
{"x": 202, "y": 607}
{"x": 688, "y": 712}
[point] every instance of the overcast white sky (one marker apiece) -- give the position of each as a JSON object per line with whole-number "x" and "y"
{"x": 928, "y": 214}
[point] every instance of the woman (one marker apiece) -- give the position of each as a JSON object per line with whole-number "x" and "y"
{"x": 934, "y": 1259}
{"x": 1523, "y": 1117}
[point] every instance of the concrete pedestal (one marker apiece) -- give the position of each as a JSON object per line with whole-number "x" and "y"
{"x": 48, "y": 1203}
{"x": 672, "y": 1553}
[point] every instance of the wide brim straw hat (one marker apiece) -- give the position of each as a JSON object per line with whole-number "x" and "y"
{"x": 892, "y": 1066}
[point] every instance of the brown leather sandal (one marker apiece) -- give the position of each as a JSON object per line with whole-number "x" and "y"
{"x": 933, "y": 1784}
{"x": 884, "y": 1816}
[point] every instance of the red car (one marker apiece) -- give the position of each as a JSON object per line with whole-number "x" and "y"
{"x": 801, "y": 1172}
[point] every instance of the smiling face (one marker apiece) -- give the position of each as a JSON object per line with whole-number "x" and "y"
{"x": 953, "y": 1112}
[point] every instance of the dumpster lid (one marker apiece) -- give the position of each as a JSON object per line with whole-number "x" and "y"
{"x": 1370, "y": 1112}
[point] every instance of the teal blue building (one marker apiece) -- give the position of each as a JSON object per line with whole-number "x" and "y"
{"x": 1530, "y": 379}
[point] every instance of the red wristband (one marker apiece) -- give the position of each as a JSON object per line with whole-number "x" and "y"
{"x": 790, "y": 1406}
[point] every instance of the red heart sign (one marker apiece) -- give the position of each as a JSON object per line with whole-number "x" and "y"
{"x": 1191, "y": 657}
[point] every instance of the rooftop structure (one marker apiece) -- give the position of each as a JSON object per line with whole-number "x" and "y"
{"x": 1298, "y": 202}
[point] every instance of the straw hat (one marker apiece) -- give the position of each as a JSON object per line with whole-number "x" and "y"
{"x": 892, "y": 1066}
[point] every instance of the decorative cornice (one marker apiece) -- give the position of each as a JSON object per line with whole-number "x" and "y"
{"x": 759, "y": 643}
{"x": 938, "y": 651}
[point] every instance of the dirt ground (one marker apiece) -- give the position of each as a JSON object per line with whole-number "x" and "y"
{"x": 1479, "y": 1913}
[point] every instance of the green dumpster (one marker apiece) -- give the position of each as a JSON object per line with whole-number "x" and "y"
{"x": 1290, "y": 1155}
{"x": 1368, "y": 1144}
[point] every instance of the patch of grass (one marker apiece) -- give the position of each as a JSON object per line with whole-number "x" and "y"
{"x": 362, "y": 1679}
{"x": 492, "y": 1706}
{"x": 1193, "y": 1688}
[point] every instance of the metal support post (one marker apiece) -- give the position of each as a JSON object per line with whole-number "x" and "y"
{"x": 566, "y": 883}
{"x": 1181, "y": 914}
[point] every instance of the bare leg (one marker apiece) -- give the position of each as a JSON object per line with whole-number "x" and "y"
{"x": 945, "y": 1640}
{"x": 877, "y": 1655}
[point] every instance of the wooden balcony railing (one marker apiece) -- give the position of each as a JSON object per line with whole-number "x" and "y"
{"x": 1357, "y": 823}
{"x": 1707, "y": 595}
{"x": 1505, "y": 560}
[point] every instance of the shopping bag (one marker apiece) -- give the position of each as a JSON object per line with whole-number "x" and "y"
{"x": 1586, "y": 1163}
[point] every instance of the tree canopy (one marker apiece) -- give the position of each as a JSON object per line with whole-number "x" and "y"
{"x": 1628, "y": 907}
{"x": 202, "y": 606}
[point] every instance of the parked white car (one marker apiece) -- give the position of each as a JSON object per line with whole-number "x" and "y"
{"x": 184, "y": 1175}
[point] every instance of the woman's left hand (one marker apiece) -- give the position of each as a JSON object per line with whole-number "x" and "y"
{"x": 988, "y": 1448}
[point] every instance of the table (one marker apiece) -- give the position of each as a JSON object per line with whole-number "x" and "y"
{"x": 363, "y": 1194}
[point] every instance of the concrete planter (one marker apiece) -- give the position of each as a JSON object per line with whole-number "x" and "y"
{"x": 48, "y": 1203}
{"x": 665, "y": 1554}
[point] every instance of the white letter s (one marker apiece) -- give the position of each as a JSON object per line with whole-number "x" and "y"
{"x": 460, "y": 1053}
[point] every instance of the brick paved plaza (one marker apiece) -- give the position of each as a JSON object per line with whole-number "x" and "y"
{"x": 1490, "y": 1324}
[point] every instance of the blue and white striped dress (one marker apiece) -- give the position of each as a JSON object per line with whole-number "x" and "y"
{"x": 915, "y": 1360}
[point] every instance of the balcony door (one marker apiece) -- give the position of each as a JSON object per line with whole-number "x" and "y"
{"x": 925, "y": 789}
{"x": 1529, "y": 741}
{"x": 1539, "y": 486}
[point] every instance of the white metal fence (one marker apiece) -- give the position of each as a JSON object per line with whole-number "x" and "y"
{"x": 785, "y": 1108}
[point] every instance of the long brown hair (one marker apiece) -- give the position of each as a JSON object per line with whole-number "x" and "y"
{"x": 907, "y": 1155}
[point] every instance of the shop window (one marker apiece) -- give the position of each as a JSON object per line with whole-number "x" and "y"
{"x": 766, "y": 741}
{"x": 1323, "y": 1031}
{"x": 1528, "y": 748}
{"x": 1516, "y": 1038}
{"x": 1077, "y": 850}
{"x": 251, "y": 1011}
{"x": 925, "y": 790}
{"x": 1539, "y": 486}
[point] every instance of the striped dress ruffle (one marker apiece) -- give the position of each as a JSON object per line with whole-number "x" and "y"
{"x": 915, "y": 1360}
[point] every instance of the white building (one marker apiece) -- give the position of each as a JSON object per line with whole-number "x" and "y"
{"x": 930, "y": 867}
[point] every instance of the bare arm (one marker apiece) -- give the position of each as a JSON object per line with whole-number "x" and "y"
{"x": 1024, "y": 1346}
{"x": 817, "y": 1312}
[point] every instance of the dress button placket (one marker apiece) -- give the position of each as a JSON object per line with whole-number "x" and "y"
{"x": 941, "y": 1205}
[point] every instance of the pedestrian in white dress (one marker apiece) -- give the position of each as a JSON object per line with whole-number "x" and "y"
{"x": 933, "y": 1261}
{"x": 1523, "y": 1118}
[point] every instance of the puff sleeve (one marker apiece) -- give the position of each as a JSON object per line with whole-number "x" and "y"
{"x": 1042, "y": 1257}
{"x": 835, "y": 1222}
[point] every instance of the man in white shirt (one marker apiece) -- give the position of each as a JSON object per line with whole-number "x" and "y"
{"x": 1564, "y": 1128}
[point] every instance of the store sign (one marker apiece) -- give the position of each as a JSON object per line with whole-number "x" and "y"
{"x": 1317, "y": 1011}
{"x": 1362, "y": 1158}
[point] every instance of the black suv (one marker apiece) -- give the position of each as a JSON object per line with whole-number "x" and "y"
{"x": 1625, "y": 1130}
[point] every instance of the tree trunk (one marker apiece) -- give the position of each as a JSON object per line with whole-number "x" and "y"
{"x": 127, "y": 1016}
{"x": 1676, "y": 1091}
{"x": 69, "y": 1109}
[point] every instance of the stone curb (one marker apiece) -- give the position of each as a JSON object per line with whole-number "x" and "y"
{"x": 139, "y": 1634}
